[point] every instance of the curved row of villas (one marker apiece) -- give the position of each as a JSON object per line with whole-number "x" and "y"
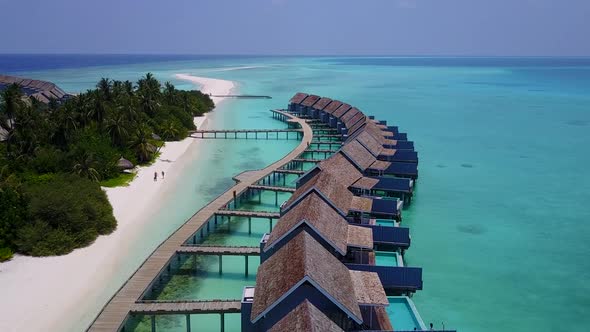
{"x": 318, "y": 267}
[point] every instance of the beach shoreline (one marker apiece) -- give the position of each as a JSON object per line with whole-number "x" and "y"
{"x": 65, "y": 293}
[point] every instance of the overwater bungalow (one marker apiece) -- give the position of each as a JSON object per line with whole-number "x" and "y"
{"x": 318, "y": 107}
{"x": 303, "y": 270}
{"x": 295, "y": 102}
{"x": 347, "y": 204}
{"x": 352, "y": 176}
{"x": 351, "y": 244}
{"x": 369, "y": 164}
{"x": 327, "y": 114}
{"x": 307, "y": 104}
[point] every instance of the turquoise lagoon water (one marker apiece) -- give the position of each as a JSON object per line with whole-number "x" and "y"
{"x": 503, "y": 171}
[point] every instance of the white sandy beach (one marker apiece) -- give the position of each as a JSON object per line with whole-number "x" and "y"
{"x": 65, "y": 293}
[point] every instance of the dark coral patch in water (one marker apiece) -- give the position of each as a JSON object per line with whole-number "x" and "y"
{"x": 467, "y": 165}
{"x": 441, "y": 166}
{"x": 471, "y": 229}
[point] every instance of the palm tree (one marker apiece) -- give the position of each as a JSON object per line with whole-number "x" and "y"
{"x": 105, "y": 88}
{"x": 170, "y": 131}
{"x": 117, "y": 129}
{"x": 141, "y": 145}
{"x": 169, "y": 92}
{"x": 85, "y": 167}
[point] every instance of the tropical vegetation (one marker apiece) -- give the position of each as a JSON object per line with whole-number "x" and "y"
{"x": 53, "y": 157}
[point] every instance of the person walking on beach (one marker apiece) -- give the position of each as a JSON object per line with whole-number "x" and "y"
{"x": 162, "y": 175}
{"x": 155, "y": 176}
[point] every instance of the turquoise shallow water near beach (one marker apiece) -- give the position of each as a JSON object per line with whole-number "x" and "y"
{"x": 503, "y": 185}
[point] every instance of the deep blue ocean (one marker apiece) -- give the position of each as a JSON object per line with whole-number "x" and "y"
{"x": 499, "y": 222}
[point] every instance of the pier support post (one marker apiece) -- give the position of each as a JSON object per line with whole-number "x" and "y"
{"x": 215, "y": 218}
{"x": 153, "y": 318}
{"x": 270, "y": 223}
{"x": 220, "y": 264}
{"x": 188, "y": 323}
{"x": 222, "y": 322}
{"x": 246, "y": 265}
{"x": 276, "y": 198}
{"x": 249, "y": 225}
{"x": 208, "y": 221}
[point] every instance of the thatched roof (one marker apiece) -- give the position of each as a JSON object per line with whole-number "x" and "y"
{"x": 338, "y": 165}
{"x": 333, "y": 106}
{"x": 322, "y": 103}
{"x": 327, "y": 186}
{"x": 360, "y": 237}
{"x": 358, "y": 154}
{"x": 370, "y": 143}
{"x": 380, "y": 165}
{"x": 298, "y": 98}
{"x": 123, "y": 163}
{"x": 356, "y": 127}
{"x": 361, "y": 204}
{"x": 319, "y": 216}
{"x": 368, "y": 288}
{"x": 352, "y": 121}
{"x": 306, "y": 318}
{"x": 350, "y": 114}
{"x": 341, "y": 110}
{"x": 303, "y": 260}
{"x": 310, "y": 100}
{"x": 41, "y": 90}
{"x": 365, "y": 183}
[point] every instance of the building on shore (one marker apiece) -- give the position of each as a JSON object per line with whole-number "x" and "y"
{"x": 42, "y": 91}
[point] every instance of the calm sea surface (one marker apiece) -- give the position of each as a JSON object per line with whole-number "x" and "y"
{"x": 500, "y": 218}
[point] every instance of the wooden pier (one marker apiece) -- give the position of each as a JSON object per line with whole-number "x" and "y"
{"x": 219, "y": 251}
{"x": 246, "y": 214}
{"x": 248, "y": 134}
{"x": 113, "y": 315}
{"x": 275, "y": 189}
{"x": 307, "y": 160}
{"x": 289, "y": 171}
{"x": 187, "y": 308}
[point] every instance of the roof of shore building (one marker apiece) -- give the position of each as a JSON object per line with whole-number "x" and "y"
{"x": 306, "y": 318}
{"x": 310, "y": 100}
{"x": 333, "y": 106}
{"x": 43, "y": 91}
{"x": 298, "y": 98}
{"x": 322, "y": 103}
{"x": 304, "y": 260}
{"x": 325, "y": 221}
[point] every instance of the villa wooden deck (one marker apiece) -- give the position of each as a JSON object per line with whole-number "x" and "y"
{"x": 113, "y": 315}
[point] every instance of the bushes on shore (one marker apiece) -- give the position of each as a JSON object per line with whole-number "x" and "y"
{"x": 53, "y": 157}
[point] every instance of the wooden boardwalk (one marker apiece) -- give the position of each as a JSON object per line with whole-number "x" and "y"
{"x": 244, "y": 133}
{"x": 113, "y": 315}
{"x": 244, "y": 213}
{"x": 186, "y": 307}
{"x": 276, "y": 189}
{"x": 219, "y": 250}
{"x": 290, "y": 171}
{"x": 307, "y": 160}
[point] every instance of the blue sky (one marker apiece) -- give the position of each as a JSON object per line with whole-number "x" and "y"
{"x": 299, "y": 27}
